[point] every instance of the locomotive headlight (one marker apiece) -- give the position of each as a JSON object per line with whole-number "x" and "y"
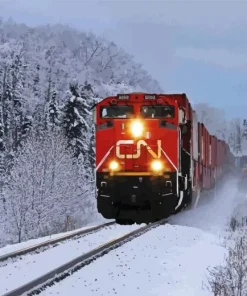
{"x": 137, "y": 128}
{"x": 113, "y": 166}
{"x": 156, "y": 165}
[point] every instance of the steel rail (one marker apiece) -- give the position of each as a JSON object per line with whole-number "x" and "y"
{"x": 39, "y": 284}
{"x": 53, "y": 241}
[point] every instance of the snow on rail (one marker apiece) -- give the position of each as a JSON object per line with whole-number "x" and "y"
{"x": 68, "y": 268}
{"x": 25, "y": 244}
{"x": 53, "y": 241}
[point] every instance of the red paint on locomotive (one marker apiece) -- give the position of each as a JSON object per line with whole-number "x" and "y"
{"x": 146, "y": 176}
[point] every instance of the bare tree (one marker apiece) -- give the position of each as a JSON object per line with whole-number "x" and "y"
{"x": 235, "y": 138}
{"x": 42, "y": 189}
{"x": 230, "y": 278}
{"x": 213, "y": 118}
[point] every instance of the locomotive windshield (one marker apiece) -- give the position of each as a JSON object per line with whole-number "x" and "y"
{"x": 116, "y": 111}
{"x": 157, "y": 111}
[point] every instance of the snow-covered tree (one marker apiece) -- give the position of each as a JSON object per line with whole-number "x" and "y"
{"x": 235, "y": 138}
{"x": 75, "y": 122}
{"x": 213, "y": 119}
{"x": 26, "y": 126}
{"x": 245, "y": 129}
{"x": 42, "y": 188}
{"x": 52, "y": 112}
{"x": 2, "y": 150}
{"x": 87, "y": 93}
{"x": 232, "y": 131}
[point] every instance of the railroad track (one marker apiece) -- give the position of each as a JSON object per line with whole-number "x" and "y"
{"x": 53, "y": 242}
{"x": 56, "y": 275}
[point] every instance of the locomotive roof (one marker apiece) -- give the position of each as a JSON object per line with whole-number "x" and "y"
{"x": 157, "y": 95}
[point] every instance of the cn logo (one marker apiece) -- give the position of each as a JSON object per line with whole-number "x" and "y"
{"x": 138, "y": 150}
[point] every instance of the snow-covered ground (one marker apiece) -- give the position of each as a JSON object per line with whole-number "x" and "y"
{"x": 214, "y": 211}
{"x": 19, "y": 272}
{"x": 170, "y": 260}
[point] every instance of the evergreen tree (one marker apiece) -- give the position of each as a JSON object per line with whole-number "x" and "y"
{"x": 88, "y": 95}
{"x": 238, "y": 137}
{"x": 17, "y": 80}
{"x": 36, "y": 80}
{"x": 244, "y": 129}
{"x": 2, "y": 149}
{"x": 6, "y": 107}
{"x": 26, "y": 126}
{"x": 53, "y": 112}
{"x": 74, "y": 122}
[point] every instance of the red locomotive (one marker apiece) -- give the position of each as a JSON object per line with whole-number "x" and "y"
{"x": 153, "y": 157}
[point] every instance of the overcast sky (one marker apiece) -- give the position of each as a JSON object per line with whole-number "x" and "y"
{"x": 197, "y": 47}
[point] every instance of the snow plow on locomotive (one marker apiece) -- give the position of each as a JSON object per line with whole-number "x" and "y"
{"x": 152, "y": 156}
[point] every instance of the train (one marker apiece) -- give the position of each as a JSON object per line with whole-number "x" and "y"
{"x": 153, "y": 157}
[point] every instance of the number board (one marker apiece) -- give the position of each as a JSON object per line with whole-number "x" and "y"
{"x": 150, "y": 97}
{"x": 123, "y": 97}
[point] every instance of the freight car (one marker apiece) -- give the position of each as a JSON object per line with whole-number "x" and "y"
{"x": 153, "y": 157}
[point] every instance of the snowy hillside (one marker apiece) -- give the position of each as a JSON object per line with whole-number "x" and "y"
{"x": 61, "y": 54}
{"x": 50, "y": 77}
